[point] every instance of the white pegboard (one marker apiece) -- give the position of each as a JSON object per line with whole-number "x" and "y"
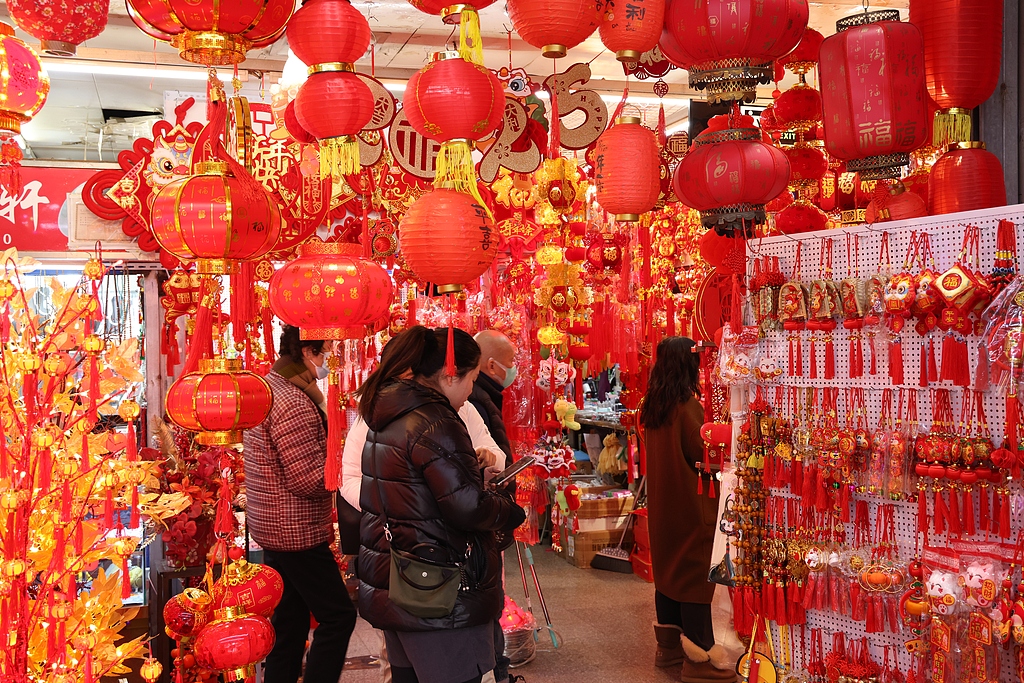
{"x": 946, "y": 234}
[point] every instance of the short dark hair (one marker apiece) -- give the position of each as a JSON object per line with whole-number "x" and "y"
{"x": 292, "y": 344}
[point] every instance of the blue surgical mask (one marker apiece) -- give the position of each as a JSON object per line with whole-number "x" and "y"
{"x": 510, "y": 375}
{"x": 322, "y": 371}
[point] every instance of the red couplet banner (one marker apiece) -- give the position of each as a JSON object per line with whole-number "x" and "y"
{"x": 36, "y": 219}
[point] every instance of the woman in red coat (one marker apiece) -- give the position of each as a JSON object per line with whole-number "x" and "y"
{"x": 682, "y": 522}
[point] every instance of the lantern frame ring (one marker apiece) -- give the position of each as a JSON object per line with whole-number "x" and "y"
{"x": 330, "y": 67}
{"x": 866, "y": 17}
{"x": 879, "y": 167}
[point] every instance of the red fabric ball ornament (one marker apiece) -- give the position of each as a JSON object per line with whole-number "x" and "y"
{"x": 294, "y": 128}
{"x": 553, "y": 26}
{"x": 800, "y": 216}
{"x": 447, "y": 239}
{"x": 807, "y": 164}
{"x": 219, "y": 401}
{"x": 331, "y": 291}
{"x": 895, "y": 204}
{"x": 799, "y": 108}
{"x": 779, "y": 203}
{"x": 452, "y": 98}
{"x": 729, "y": 176}
{"x": 875, "y": 105}
{"x": 714, "y": 247}
{"x": 769, "y": 122}
{"x": 627, "y": 172}
{"x": 210, "y": 32}
{"x": 805, "y": 55}
{"x": 60, "y": 25}
{"x": 234, "y": 643}
{"x": 255, "y": 587}
{"x": 630, "y": 29}
{"x": 324, "y": 31}
{"x": 728, "y": 51}
{"x": 966, "y": 179}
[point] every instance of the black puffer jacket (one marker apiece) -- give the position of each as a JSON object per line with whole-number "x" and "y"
{"x": 419, "y": 461}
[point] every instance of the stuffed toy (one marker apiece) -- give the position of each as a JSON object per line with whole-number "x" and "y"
{"x": 565, "y": 413}
{"x": 608, "y": 462}
{"x": 943, "y": 591}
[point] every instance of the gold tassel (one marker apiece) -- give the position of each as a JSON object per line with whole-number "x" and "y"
{"x": 471, "y": 46}
{"x": 339, "y": 156}
{"x": 951, "y": 126}
{"x": 455, "y": 171}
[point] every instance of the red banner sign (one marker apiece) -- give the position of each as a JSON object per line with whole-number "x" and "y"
{"x": 36, "y": 219}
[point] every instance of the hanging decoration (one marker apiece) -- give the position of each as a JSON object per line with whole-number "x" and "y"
{"x": 219, "y": 401}
{"x": 554, "y": 26}
{"x": 60, "y": 25}
{"x": 24, "y": 86}
{"x": 626, "y": 169}
{"x": 630, "y": 29}
{"x": 966, "y": 178}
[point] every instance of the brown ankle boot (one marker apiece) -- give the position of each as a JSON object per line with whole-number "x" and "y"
{"x": 670, "y": 649}
{"x": 703, "y": 666}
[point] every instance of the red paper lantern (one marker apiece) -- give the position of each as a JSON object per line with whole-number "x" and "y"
{"x": 255, "y": 587}
{"x": 331, "y": 291}
{"x": 729, "y": 48}
{"x": 966, "y": 178}
{"x": 553, "y": 26}
{"x": 963, "y": 43}
{"x": 187, "y": 613}
{"x": 448, "y": 239}
{"x": 210, "y": 32}
{"x": 24, "y": 86}
{"x": 448, "y": 10}
{"x": 631, "y": 28}
{"x": 896, "y": 204}
{"x": 669, "y": 47}
{"x": 626, "y": 169}
{"x": 215, "y": 219}
{"x": 805, "y": 55}
{"x": 729, "y": 175}
{"x": 799, "y": 108}
{"x": 234, "y": 643}
{"x": 219, "y": 401}
{"x": 800, "y": 216}
{"x": 875, "y": 104}
{"x": 807, "y": 164}
{"x": 60, "y": 25}
{"x": 328, "y": 31}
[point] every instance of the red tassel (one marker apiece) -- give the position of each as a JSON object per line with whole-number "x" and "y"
{"x": 94, "y": 387}
{"x": 700, "y": 485}
{"x": 670, "y": 317}
{"x": 873, "y": 370}
{"x": 108, "y": 509}
{"x": 963, "y": 365}
{"x": 65, "y": 502}
{"x": 662, "y": 135}
{"x": 411, "y": 317}
{"x": 335, "y": 432}
{"x": 1004, "y": 515}
{"x": 955, "y": 526}
{"x": 830, "y": 358}
{"x": 780, "y": 605}
{"x": 711, "y": 488}
{"x": 981, "y": 374}
{"x": 200, "y": 344}
{"x": 791, "y": 357}
{"x": 940, "y": 513}
{"x": 799, "y": 356}
{"x": 967, "y": 508}
{"x": 933, "y": 368}
{"x": 134, "y": 519}
{"x": 983, "y": 519}
{"x": 822, "y": 501}
{"x": 243, "y": 300}
{"x": 1012, "y": 422}
{"x": 896, "y": 362}
{"x": 997, "y": 513}
{"x": 810, "y": 486}
{"x": 922, "y": 511}
{"x": 87, "y": 668}
{"x": 268, "y": 335}
{"x": 814, "y": 359}
{"x": 844, "y": 503}
{"x": 44, "y": 468}
{"x": 923, "y": 376}
{"x": 810, "y": 588}
{"x": 126, "y": 581}
{"x": 579, "y": 387}
{"x": 796, "y": 484}
{"x": 767, "y": 600}
{"x": 449, "y": 356}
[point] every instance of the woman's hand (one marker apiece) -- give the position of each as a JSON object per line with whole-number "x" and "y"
{"x": 486, "y": 457}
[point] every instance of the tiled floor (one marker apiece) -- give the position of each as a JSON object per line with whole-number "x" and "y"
{"x": 604, "y": 620}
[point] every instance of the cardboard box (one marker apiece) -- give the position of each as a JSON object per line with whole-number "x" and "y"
{"x": 606, "y": 507}
{"x": 602, "y": 523}
{"x": 579, "y": 549}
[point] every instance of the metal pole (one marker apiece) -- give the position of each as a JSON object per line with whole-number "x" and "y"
{"x": 540, "y": 597}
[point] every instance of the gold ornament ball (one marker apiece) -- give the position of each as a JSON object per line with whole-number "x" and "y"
{"x": 42, "y": 438}
{"x": 94, "y": 343}
{"x": 30, "y": 363}
{"x": 151, "y": 669}
{"x": 9, "y": 500}
{"x": 15, "y": 568}
{"x": 56, "y": 364}
{"x": 6, "y": 290}
{"x": 93, "y": 269}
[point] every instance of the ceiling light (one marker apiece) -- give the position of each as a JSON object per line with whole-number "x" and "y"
{"x": 55, "y": 66}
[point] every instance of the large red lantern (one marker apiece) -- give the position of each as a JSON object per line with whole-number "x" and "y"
{"x": 729, "y": 175}
{"x": 467, "y": 16}
{"x": 966, "y": 178}
{"x": 963, "y": 44}
{"x": 219, "y": 401}
{"x": 631, "y": 28}
{"x": 215, "y": 219}
{"x": 60, "y": 25}
{"x": 255, "y": 587}
{"x": 730, "y": 47}
{"x": 805, "y": 55}
{"x": 234, "y": 643}
{"x": 874, "y": 101}
{"x": 331, "y": 291}
{"x": 333, "y": 104}
{"x": 448, "y": 239}
{"x": 800, "y": 216}
{"x": 626, "y": 169}
{"x": 553, "y": 26}
{"x": 210, "y": 32}
{"x": 799, "y": 108}
{"x": 24, "y": 86}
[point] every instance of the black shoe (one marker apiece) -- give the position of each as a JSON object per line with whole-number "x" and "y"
{"x": 512, "y": 678}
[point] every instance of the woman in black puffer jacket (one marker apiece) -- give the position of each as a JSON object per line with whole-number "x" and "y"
{"x": 420, "y": 471}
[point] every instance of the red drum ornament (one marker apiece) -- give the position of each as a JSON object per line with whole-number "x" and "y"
{"x": 630, "y": 28}
{"x": 553, "y": 26}
{"x": 219, "y": 401}
{"x": 328, "y": 31}
{"x": 60, "y": 25}
{"x": 729, "y": 47}
{"x": 215, "y": 219}
{"x": 234, "y": 643}
{"x": 447, "y": 239}
{"x": 331, "y": 291}
{"x": 966, "y": 178}
{"x": 255, "y": 587}
{"x": 963, "y": 43}
{"x": 210, "y": 32}
{"x": 626, "y": 169}
{"x": 729, "y": 175}
{"x": 875, "y": 104}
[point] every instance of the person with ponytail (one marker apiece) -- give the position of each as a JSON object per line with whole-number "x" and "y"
{"x": 289, "y": 512}
{"x": 423, "y": 492}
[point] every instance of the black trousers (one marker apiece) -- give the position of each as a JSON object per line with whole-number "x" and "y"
{"x": 312, "y": 584}
{"x": 694, "y": 618}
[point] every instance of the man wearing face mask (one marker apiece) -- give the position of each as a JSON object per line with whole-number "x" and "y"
{"x": 289, "y": 513}
{"x": 497, "y": 372}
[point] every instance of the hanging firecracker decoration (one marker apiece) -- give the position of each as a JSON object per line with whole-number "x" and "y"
{"x": 60, "y": 25}
{"x": 455, "y": 102}
{"x": 730, "y": 174}
{"x": 215, "y": 219}
{"x": 626, "y": 169}
{"x": 966, "y": 178}
{"x": 728, "y": 53}
{"x": 631, "y": 28}
{"x": 24, "y": 86}
{"x": 963, "y": 46}
{"x": 554, "y": 26}
{"x": 333, "y": 104}
{"x": 219, "y": 401}
{"x": 876, "y": 105}
{"x": 466, "y": 16}
{"x": 209, "y": 32}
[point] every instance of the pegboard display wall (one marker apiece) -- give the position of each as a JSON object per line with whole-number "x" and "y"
{"x": 858, "y": 252}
